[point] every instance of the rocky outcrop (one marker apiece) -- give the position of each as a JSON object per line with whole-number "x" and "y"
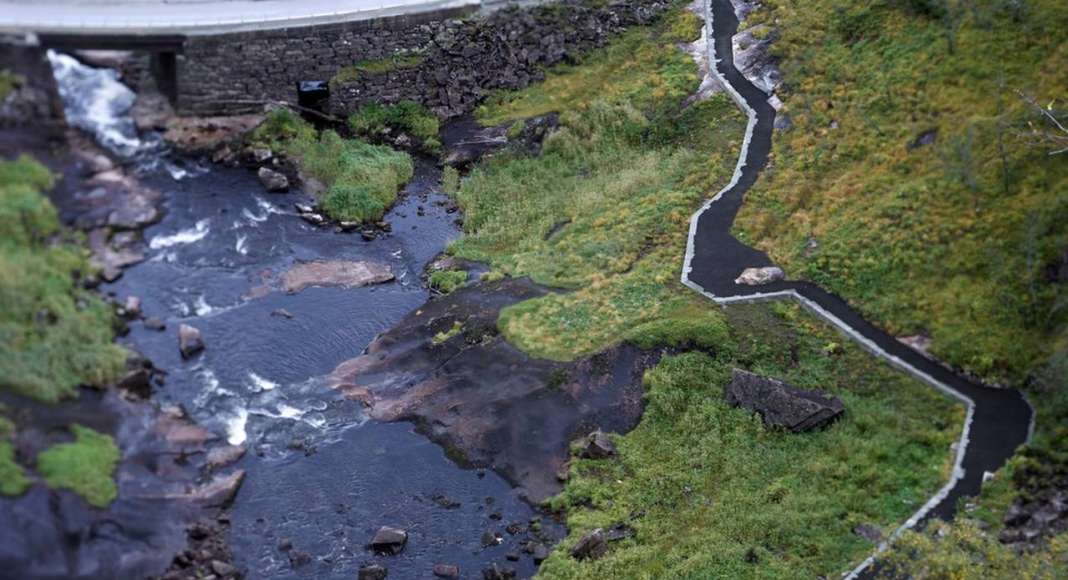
{"x": 597, "y": 445}
{"x": 201, "y": 135}
{"x": 346, "y": 274}
{"x": 446, "y": 368}
{"x": 780, "y": 404}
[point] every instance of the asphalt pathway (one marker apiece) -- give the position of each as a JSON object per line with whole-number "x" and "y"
{"x": 998, "y": 420}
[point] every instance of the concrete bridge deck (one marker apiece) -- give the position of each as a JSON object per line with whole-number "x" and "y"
{"x": 198, "y": 17}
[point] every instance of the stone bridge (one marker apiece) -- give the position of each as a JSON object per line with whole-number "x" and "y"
{"x": 232, "y": 56}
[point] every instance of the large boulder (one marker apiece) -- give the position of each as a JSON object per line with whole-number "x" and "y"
{"x": 343, "y": 273}
{"x": 760, "y": 276}
{"x": 781, "y": 404}
{"x": 597, "y": 445}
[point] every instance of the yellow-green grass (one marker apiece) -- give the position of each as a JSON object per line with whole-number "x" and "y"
{"x": 953, "y": 239}
{"x": 85, "y": 466}
{"x": 713, "y": 493}
{"x": 445, "y": 281}
{"x": 54, "y": 335}
{"x": 362, "y": 180}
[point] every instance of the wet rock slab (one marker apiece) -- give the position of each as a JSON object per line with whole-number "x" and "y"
{"x": 346, "y": 274}
{"x": 445, "y": 368}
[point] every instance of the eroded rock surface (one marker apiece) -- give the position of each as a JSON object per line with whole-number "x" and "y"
{"x": 781, "y": 404}
{"x": 445, "y": 368}
{"x": 347, "y": 274}
{"x": 760, "y": 276}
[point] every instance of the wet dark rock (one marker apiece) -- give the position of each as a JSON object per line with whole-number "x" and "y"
{"x": 313, "y": 218}
{"x": 591, "y": 546}
{"x": 132, "y": 306}
{"x": 285, "y": 544}
{"x": 490, "y": 538}
{"x": 189, "y": 341}
{"x": 298, "y": 558}
{"x": 153, "y": 323}
{"x": 928, "y": 137}
{"x": 272, "y": 180}
{"x": 619, "y": 531}
{"x": 224, "y": 156}
{"x": 282, "y": 313}
{"x": 110, "y": 254}
{"x": 512, "y": 557}
{"x": 446, "y": 571}
{"x": 373, "y": 572}
{"x": 869, "y": 532}
{"x": 137, "y": 378}
{"x": 481, "y": 396}
{"x": 445, "y": 501}
{"x": 389, "y": 540}
{"x": 597, "y": 445}
{"x": 495, "y": 572}
{"x": 539, "y": 552}
{"x": 780, "y": 404}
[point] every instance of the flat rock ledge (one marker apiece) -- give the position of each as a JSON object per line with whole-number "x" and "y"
{"x": 347, "y": 274}
{"x": 781, "y": 404}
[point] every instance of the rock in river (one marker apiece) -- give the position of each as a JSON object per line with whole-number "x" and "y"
{"x": 389, "y": 540}
{"x": 373, "y": 572}
{"x": 348, "y": 274}
{"x": 272, "y": 180}
{"x": 597, "y": 445}
{"x": 781, "y": 404}
{"x": 189, "y": 340}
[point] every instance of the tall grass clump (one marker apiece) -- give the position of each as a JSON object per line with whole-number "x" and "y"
{"x": 373, "y": 120}
{"x": 361, "y": 179}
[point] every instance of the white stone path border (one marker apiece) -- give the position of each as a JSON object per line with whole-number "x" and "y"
{"x": 811, "y": 306}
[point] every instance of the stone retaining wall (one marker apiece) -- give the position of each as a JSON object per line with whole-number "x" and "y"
{"x": 462, "y": 57}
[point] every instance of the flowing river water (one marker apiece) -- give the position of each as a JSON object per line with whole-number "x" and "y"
{"x": 320, "y": 475}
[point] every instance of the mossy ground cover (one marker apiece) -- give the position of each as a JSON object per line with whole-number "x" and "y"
{"x": 954, "y": 238}
{"x": 377, "y": 66}
{"x": 362, "y": 180}
{"x": 603, "y": 213}
{"x": 712, "y": 493}
{"x": 54, "y": 335}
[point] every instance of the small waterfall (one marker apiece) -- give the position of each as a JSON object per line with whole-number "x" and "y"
{"x": 95, "y": 101}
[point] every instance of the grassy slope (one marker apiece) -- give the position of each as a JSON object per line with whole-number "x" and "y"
{"x": 952, "y": 239}
{"x": 53, "y": 334}
{"x": 603, "y": 211}
{"x": 361, "y": 179}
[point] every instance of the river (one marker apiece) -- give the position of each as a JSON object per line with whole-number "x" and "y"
{"x": 320, "y": 474}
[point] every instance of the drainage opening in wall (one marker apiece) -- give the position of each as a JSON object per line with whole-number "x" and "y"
{"x": 313, "y": 95}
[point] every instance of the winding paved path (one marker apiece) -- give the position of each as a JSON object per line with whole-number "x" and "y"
{"x": 998, "y": 420}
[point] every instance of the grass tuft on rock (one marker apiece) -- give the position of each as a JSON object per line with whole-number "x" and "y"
{"x": 85, "y": 466}
{"x": 362, "y": 180}
{"x": 374, "y": 119}
{"x": 378, "y": 66}
{"x": 54, "y": 335}
{"x": 446, "y": 281}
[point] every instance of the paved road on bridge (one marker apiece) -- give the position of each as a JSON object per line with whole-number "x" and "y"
{"x": 192, "y": 17}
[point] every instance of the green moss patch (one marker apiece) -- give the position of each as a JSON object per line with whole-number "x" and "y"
{"x": 378, "y": 66}
{"x": 373, "y": 119}
{"x": 54, "y": 335}
{"x": 85, "y": 466}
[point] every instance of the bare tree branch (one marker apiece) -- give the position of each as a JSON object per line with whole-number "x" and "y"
{"x": 1055, "y": 137}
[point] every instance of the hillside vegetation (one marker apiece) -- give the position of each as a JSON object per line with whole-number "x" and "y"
{"x": 602, "y": 212}
{"x": 961, "y": 238}
{"x": 54, "y": 335}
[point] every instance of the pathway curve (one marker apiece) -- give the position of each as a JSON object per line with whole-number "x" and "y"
{"x": 998, "y": 421}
